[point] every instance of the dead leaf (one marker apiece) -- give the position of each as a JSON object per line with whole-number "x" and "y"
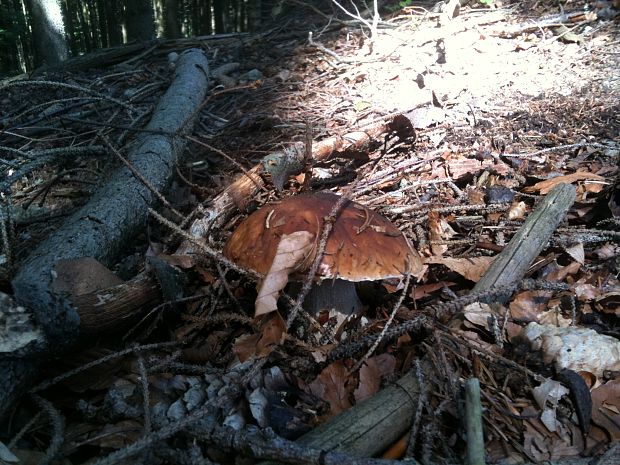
{"x": 547, "y": 396}
{"x": 606, "y": 407}
{"x": 479, "y": 313}
{"x": 291, "y": 253}
{"x": 576, "y": 252}
{"x": 470, "y": 268}
{"x": 371, "y": 373}
{"x": 331, "y": 386}
{"x": 425, "y": 290}
{"x": 272, "y": 331}
{"x": 528, "y": 305}
{"x": 545, "y": 186}
{"x": 271, "y": 334}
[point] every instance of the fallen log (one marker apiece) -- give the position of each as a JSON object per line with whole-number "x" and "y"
{"x": 103, "y": 227}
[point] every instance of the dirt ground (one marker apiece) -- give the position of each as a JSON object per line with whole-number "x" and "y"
{"x": 506, "y": 101}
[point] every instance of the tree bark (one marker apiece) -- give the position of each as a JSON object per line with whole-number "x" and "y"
{"x": 102, "y": 228}
{"x": 172, "y": 28}
{"x": 139, "y": 20}
{"x": 115, "y": 36}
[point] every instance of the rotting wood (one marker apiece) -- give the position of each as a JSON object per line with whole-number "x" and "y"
{"x": 103, "y": 227}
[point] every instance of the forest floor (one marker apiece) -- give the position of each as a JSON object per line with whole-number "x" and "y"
{"x": 505, "y": 103}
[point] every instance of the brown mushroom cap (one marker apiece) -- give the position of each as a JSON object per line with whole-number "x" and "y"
{"x": 362, "y": 246}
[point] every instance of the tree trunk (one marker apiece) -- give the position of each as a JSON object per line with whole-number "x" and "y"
{"x": 48, "y": 30}
{"x": 84, "y": 31}
{"x": 172, "y": 29}
{"x": 112, "y": 11}
{"x": 220, "y": 10}
{"x": 139, "y": 21}
{"x": 253, "y": 12}
{"x": 206, "y": 17}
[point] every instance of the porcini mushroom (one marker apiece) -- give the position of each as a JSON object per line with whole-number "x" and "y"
{"x": 362, "y": 246}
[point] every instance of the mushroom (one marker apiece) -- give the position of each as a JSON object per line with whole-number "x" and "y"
{"x": 362, "y": 246}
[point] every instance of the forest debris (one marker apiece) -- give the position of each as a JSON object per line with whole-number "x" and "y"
{"x": 292, "y": 251}
{"x": 100, "y": 229}
{"x": 223, "y": 205}
{"x": 578, "y": 349}
{"x": 333, "y": 385}
{"x": 547, "y": 396}
{"x": 472, "y": 268}
{"x": 606, "y": 401}
{"x": 512, "y": 263}
{"x": 545, "y": 186}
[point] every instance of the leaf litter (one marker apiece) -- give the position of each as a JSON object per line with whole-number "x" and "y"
{"x": 488, "y": 146}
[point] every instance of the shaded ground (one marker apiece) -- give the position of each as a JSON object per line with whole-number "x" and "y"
{"x": 501, "y": 102}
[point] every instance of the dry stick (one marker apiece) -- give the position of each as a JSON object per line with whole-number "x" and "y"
{"x": 86, "y": 90}
{"x": 512, "y": 263}
{"x": 230, "y": 159}
{"x": 374, "y": 346}
{"x": 224, "y": 204}
{"x": 144, "y": 384}
{"x": 204, "y": 248}
{"x": 473, "y": 421}
{"x": 58, "y": 426}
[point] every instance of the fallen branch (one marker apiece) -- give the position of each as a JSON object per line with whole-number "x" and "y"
{"x": 103, "y": 227}
{"x": 278, "y": 166}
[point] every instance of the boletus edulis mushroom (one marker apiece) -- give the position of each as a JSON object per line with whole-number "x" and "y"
{"x": 362, "y": 246}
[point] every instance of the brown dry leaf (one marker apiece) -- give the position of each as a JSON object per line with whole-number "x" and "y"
{"x": 554, "y": 317}
{"x": 478, "y": 314}
{"x": 576, "y": 252}
{"x": 606, "y": 407}
{"x": 292, "y": 251}
{"x": 547, "y": 396}
{"x": 606, "y": 251}
{"x": 562, "y": 272}
{"x": 119, "y": 435}
{"x": 271, "y": 334}
{"x": 439, "y": 230}
{"x": 585, "y": 291}
{"x": 545, "y": 186}
{"x": 526, "y": 306}
{"x": 425, "y": 290}
{"x": 371, "y": 373}
{"x": 331, "y": 386}
{"x": 245, "y": 346}
{"x": 272, "y": 331}
{"x": 470, "y": 268}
